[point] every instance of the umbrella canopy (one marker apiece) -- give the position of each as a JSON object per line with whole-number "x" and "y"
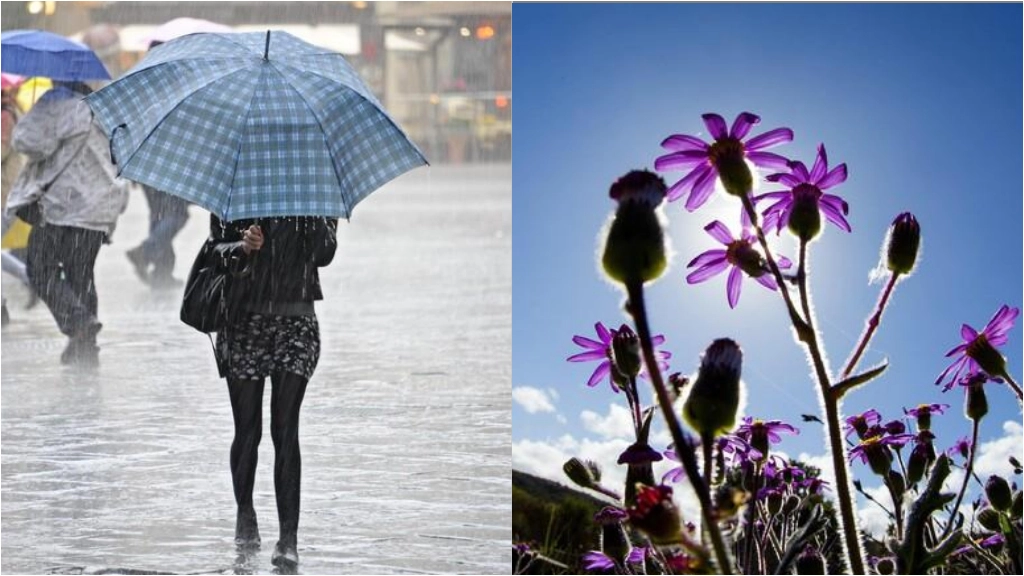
{"x": 40, "y": 53}
{"x": 251, "y": 125}
{"x": 182, "y": 26}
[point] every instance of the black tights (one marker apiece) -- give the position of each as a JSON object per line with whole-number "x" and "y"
{"x": 247, "y": 406}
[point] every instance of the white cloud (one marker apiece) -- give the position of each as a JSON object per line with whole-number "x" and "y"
{"x": 993, "y": 456}
{"x": 617, "y": 424}
{"x": 532, "y": 400}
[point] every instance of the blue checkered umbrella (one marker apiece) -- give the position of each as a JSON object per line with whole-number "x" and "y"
{"x": 250, "y": 125}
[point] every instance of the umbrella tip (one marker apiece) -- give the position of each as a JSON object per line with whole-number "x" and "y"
{"x": 266, "y": 47}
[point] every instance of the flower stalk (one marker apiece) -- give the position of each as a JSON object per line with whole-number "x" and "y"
{"x": 637, "y": 309}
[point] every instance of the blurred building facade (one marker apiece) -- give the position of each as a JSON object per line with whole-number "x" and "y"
{"x": 442, "y": 69}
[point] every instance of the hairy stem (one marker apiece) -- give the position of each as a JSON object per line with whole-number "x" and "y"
{"x": 870, "y": 327}
{"x": 968, "y": 469}
{"x": 1016, "y": 387}
{"x": 805, "y": 331}
{"x": 687, "y": 457}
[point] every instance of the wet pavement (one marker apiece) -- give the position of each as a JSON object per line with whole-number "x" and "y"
{"x": 406, "y": 425}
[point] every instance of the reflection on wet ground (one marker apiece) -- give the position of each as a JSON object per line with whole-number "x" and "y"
{"x": 406, "y": 426}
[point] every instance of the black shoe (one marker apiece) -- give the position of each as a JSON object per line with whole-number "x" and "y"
{"x": 286, "y": 558}
{"x": 138, "y": 260}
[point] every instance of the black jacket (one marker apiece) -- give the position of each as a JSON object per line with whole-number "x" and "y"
{"x": 285, "y": 269}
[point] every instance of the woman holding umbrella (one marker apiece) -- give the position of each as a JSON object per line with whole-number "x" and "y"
{"x": 272, "y": 332}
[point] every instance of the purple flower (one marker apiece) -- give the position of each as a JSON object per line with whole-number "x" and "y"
{"x": 740, "y": 255}
{"x": 895, "y": 427}
{"x": 874, "y": 450}
{"x": 990, "y": 542}
{"x": 861, "y": 422}
{"x": 977, "y": 352}
{"x": 961, "y": 447}
{"x": 759, "y": 433}
{"x": 806, "y": 188}
{"x": 739, "y": 450}
{"x": 703, "y": 160}
{"x": 639, "y": 453}
{"x": 926, "y": 409}
{"x": 602, "y": 350}
{"x": 596, "y": 560}
{"x": 813, "y": 485}
{"x": 637, "y": 555}
{"x": 610, "y": 515}
{"x": 676, "y": 474}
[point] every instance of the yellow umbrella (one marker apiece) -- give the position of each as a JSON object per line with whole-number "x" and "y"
{"x": 31, "y": 90}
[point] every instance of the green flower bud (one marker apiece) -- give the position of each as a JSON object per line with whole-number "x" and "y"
{"x": 917, "y": 465}
{"x": 635, "y": 246}
{"x": 714, "y": 397}
{"x": 626, "y": 352}
{"x": 791, "y": 504}
{"x": 614, "y": 541}
{"x": 1016, "y": 508}
{"x": 886, "y": 566}
{"x": 727, "y": 156}
{"x": 774, "y": 502}
{"x": 899, "y": 485}
{"x": 903, "y": 244}
{"x": 989, "y": 519}
{"x": 805, "y": 219}
{"x": 998, "y": 492}
{"x": 810, "y": 561}
{"x": 975, "y": 402}
{"x": 581, "y": 474}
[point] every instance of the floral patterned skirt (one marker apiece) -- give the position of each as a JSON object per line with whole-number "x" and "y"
{"x": 259, "y": 345}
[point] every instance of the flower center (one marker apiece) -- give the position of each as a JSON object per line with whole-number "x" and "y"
{"x": 726, "y": 148}
{"x": 740, "y": 253}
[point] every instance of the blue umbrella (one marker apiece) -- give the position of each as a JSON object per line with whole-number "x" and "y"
{"x": 250, "y": 125}
{"x": 39, "y": 53}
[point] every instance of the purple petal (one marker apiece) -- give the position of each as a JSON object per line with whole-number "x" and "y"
{"x": 1001, "y": 322}
{"x": 683, "y": 185}
{"x": 783, "y": 262}
{"x": 786, "y": 179}
{"x": 768, "y": 160}
{"x": 673, "y": 476}
{"x": 771, "y": 220}
{"x": 677, "y": 160}
{"x": 603, "y": 370}
{"x": 702, "y": 190}
{"x": 834, "y": 216}
{"x": 769, "y": 138}
{"x": 716, "y": 125}
{"x": 707, "y": 258}
{"x": 680, "y": 142}
{"x": 706, "y": 271}
{"x": 956, "y": 350}
{"x": 603, "y": 333}
{"x": 835, "y": 177}
{"x": 800, "y": 171}
{"x": 588, "y": 356}
{"x": 767, "y": 281}
{"x": 968, "y": 333}
{"x": 719, "y": 232}
{"x": 588, "y": 343}
{"x": 733, "y": 286}
{"x": 956, "y": 368}
{"x": 658, "y": 340}
{"x": 742, "y": 125}
{"x": 820, "y": 164}
{"x": 837, "y": 203}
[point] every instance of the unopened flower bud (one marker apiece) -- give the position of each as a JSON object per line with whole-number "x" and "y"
{"x": 899, "y": 485}
{"x": 774, "y": 501}
{"x": 634, "y": 247}
{"x": 886, "y": 566}
{"x": 791, "y": 504}
{"x": 895, "y": 427}
{"x": 714, "y": 397}
{"x": 903, "y": 244}
{"x": 1017, "y": 507}
{"x": 989, "y": 519}
{"x": 581, "y": 474}
{"x": 805, "y": 218}
{"x": 614, "y": 542}
{"x": 626, "y": 352}
{"x": 656, "y": 515}
{"x": 975, "y": 401}
{"x": 917, "y": 464}
{"x": 810, "y": 561}
{"x": 998, "y": 492}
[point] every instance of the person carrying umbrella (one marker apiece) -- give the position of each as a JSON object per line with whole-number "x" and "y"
{"x": 68, "y": 189}
{"x": 277, "y": 139}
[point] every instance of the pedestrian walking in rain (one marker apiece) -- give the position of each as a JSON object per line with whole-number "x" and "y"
{"x": 153, "y": 260}
{"x": 71, "y": 183}
{"x": 271, "y": 331}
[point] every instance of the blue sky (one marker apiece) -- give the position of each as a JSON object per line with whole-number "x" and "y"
{"x": 923, "y": 103}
